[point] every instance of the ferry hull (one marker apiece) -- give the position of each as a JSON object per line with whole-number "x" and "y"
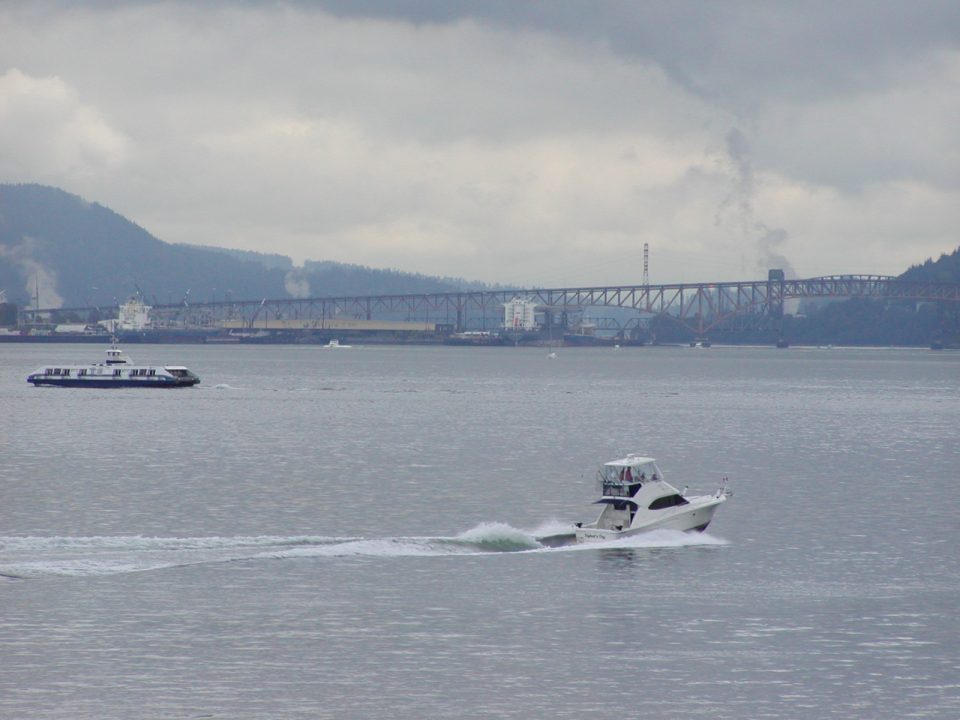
{"x": 105, "y": 383}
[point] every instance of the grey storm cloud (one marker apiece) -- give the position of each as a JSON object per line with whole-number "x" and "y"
{"x": 518, "y": 142}
{"x": 737, "y": 52}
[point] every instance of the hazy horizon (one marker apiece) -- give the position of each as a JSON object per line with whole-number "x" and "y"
{"x": 517, "y": 143}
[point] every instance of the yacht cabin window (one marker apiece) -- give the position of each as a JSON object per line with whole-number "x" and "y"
{"x": 668, "y": 501}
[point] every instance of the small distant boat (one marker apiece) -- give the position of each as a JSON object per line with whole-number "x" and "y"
{"x": 636, "y": 499}
{"x": 335, "y": 345}
{"x": 118, "y": 371}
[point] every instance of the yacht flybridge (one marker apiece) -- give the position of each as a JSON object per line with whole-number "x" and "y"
{"x": 636, "y": 499}
{"x": 118, "y": 371}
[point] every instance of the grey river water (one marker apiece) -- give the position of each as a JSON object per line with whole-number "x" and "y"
{"x": 316, "y": 533}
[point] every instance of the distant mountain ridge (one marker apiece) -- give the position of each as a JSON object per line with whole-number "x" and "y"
{"x": 74, "y": 253}
{"x": 79, "y": 253}
{"x": 268, "y": 260}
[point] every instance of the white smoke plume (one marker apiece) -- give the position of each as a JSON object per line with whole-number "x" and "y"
{"x": 768, "y": 240}
{"x": 296, "y": 284}
{"x": 40, "y": 282}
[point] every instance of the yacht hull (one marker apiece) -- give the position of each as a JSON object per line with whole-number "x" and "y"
{"x": 694, "y": 517}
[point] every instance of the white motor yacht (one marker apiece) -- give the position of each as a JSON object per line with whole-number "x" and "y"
{"x": 636, "y": 499}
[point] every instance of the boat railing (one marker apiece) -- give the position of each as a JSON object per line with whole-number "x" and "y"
{"x": 723, "y": 490}
{"x": 612, "y": 488}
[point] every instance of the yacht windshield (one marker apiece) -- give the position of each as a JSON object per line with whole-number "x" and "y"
{"x": 628, "y": 473}
{"x": 624, "y": 479}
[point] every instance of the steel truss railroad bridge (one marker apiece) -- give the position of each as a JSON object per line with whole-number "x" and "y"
{"x": 699, "y": 307}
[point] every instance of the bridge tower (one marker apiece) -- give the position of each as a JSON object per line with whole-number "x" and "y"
{"x": 775, "y": 303}
{"x": 646, "y": 265}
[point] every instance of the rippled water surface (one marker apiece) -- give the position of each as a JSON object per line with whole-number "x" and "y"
{"x": 351, "y": 533}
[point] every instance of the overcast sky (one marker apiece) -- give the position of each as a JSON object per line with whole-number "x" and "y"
{"x": 529, "y": 143}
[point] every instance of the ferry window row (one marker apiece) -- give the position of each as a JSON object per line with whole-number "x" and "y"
{"x": 83, "y": 372}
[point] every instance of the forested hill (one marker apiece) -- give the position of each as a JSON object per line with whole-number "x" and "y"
{"x": 860, "y": 321}
{"x": 79, "y": 253}
{"x": 946, "y": 269}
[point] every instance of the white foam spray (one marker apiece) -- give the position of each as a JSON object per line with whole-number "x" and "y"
{"x": 32, "y": 557}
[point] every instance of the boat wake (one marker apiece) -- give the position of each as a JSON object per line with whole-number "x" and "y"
{"x": 37, "y": 557}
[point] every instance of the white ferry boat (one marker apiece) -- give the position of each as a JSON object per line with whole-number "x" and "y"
{"x": 118, "y": 371}
{"x": 636, "y": 499}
